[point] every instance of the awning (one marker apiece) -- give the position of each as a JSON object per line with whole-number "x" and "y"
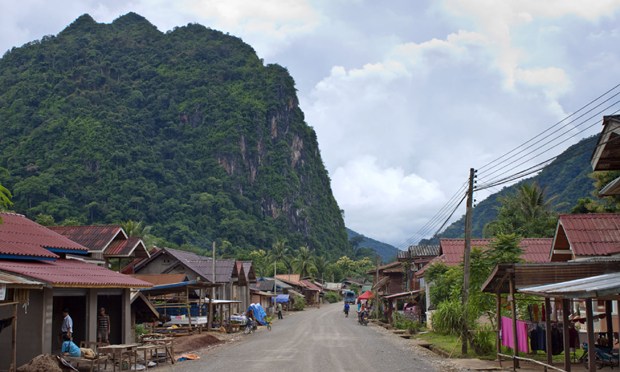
{"x": 366, "y": 296}
{"x": 415, "y": 293}
{"x": 14, "y": 281}
{"x": 282, "y": 298}
{"x": 600, "y": 286}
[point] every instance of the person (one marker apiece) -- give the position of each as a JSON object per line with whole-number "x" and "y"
{"x": 71, "y": 349}
{"x": 346, "y": 309}
{"x": 103, "y": 326}
{"x": 279, "y": 307}
{"x": 66, "y": 329}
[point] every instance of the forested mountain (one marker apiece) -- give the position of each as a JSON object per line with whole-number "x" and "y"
{"x": 187, "y": 131}
{"x": 385, "y": 251}
{"x": 566, "y": 179}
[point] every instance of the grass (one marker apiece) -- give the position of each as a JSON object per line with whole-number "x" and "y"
{"x": 451, "y": 345}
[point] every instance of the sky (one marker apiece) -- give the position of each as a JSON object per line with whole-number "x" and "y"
{"x": 405, "y": 96}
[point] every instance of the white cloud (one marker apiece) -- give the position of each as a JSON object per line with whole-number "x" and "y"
{"x": 379, "y": 201}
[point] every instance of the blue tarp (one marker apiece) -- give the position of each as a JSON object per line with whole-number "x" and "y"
{"x": 282, "y": 298}
{"x": 259, "y": 313}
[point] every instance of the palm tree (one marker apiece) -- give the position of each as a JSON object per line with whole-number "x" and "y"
{"x": 5, "y": 198}
{"x": 303, "y": 262}
{"x": 279, "y": 251}
{"x": 137, "y": 230}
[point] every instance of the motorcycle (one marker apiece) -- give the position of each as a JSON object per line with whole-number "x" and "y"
{"x": 362, "y": 318}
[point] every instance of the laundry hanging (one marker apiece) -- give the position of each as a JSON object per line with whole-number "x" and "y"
{"x": 507, "y": 336}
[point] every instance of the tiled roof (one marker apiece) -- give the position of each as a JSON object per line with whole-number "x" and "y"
{"x": 309, "y": 285}
{"x": 21, "y": 237}
{"x": 203, "y": 266}
{"x": 95, "y": 238}
{"x": 534, "y": 249}
{"x": 131, "y": 247}
{"x": 159, "y": 279}
{"x": 71, "y": 274}
{"x": 424, "y": 251}
{"x": 596, "y": 234}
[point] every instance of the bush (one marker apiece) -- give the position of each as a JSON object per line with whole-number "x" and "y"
{"x": 299, "y": 304}
{"x": 483, "y": 340}
{"x": 332, "y": 297}
{"x": 140, "y": 330}
{"x": 402, "y": 322}
{"x": 448, "y": 318}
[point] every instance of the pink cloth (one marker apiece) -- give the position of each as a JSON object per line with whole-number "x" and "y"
{"x": 507, "y": 337}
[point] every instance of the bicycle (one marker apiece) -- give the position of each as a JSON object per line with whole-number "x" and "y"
{"x": 268, "y": 321}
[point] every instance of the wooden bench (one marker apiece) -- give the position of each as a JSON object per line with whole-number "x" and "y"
{"x": 87, "y": 361}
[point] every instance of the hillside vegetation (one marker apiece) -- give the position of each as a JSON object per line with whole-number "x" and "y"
{"x": 187, "y": 131}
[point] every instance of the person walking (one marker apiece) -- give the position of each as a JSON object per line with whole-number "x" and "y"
{"x": 103, "y": 326}
{"x": 279, "y": 307}
{"x": 346, "y": 309}
{"x": 66, "y": 329}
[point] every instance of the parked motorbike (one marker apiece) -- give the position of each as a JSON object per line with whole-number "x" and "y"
{"x": 362, "y": 318}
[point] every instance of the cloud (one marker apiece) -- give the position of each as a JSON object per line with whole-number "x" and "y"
{"x": 378, "y": 200}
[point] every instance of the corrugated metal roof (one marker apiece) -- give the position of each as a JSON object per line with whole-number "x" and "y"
{"x": 225, "y": 270}
{"x": 534, "y": 249}
{"x": 14, "y": 281}
{"x": 415, "y": 293}
{"x": 423, "y": 251}
{"x": 292, "y": 279}
{"x": 309, "y": 285}
{"x": 606, "y": 154}
{"x": 71, "y": 274}
{"x": 22, "y": 237}
{"x": 95, "y": 238}
{"x": 130, "y": 247}
{"x": 157, "y": 279}
{"x": 591, "y": 287}
{"x": 594, "y": 234}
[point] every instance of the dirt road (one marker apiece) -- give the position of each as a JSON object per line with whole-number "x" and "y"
{"x": 315, "y": 340}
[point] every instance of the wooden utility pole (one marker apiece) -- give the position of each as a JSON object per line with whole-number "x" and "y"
{"x": 466, "y": 254}
{"x": 211, "y": 297}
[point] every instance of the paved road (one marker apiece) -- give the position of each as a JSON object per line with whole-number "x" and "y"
{"x": 315, "y": 340}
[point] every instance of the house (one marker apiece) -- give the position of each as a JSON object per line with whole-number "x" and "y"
{"x": 535, "y": 250}
{"x": 230, "y": 277}
{"x": 416, "y": 257}
{"x": 581, "y": 236}
{"x": 105, "y": 243}
{"x": 36, "y": 271}
{"x": 309, "y": 290}
{"x": 391, "y": 278}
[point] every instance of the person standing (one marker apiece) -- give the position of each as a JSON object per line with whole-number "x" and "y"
{"x": 103, "y": 326}
{"x": 66, "y": 329}
{"x": 279, "y": 307}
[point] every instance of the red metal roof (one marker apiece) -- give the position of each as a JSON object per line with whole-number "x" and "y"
{"x": 71, "y": 274}
{"x": 130, "y": 247}
{"x": 159, "y": 279}
{"x": 595, "y": 234}
{"x": 22, "y": 237}
{"x": 534, "y": 249}
{"x": 96, "y": 238}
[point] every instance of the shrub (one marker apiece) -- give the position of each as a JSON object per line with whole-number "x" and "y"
{"x": 140, "y": 330}
{"x": 448, "y": 318}
{"x": 402, "y": 322}
{"x": 332, "y": 297}
{"x": 483, "y": 339}
{"x": 299, "y": 304}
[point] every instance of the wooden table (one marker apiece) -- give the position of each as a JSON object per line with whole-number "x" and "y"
{"x": 118, "y": 351}
{"x": 154, "y": 343}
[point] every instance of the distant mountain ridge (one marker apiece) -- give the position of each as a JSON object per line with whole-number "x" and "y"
{"x": 386, "y": 251}
{"x": 187, "y": 131}
{"x": 566, "y": 178}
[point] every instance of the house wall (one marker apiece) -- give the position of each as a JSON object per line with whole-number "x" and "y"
{"x": 29, "y": 325}
{"x": 396, "y": 283}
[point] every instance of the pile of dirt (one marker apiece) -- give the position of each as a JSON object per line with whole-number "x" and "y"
{"x": 42, "y": 363}
{"x": 195, "y": 342}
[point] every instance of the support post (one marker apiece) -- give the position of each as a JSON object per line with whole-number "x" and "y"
{"x": 513, "y": 308}
{"x": 590, "y": 326}
{"x": 212, "y": 296}
{"x": 466, "y": 264}
{"x": 548, "y": 343}
{"x": 565, "y": 335}
{"x": 498, "y": 310}
{"x": 610, "y": 323}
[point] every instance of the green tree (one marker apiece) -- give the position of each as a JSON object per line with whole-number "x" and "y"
{"x": 303, "y": 262}
{"x": 260, "y": 261}
{"x": 5, "y": 198}
{"x": 279, "y": 253}
{"x": 526, "y": 213}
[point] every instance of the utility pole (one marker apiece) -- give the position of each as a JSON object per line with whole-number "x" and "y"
{"x": 212, "y": 296}
{"x": 466, "y": 254}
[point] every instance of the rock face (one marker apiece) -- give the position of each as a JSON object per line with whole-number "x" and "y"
{"x": 186, "y": 131}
